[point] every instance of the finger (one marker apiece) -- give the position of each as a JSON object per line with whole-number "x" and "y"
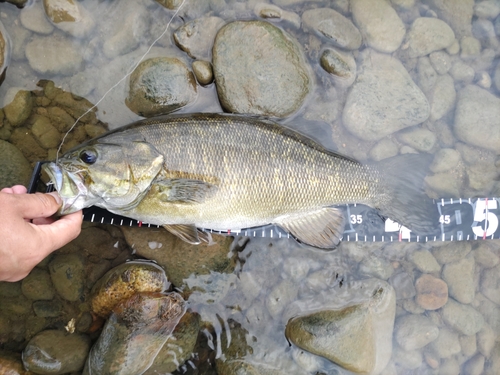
{"x": 7, "y": 191}
{"x": 19, "y": 189}
{"x": 62, "y": 231}
{"x": 42, "y": 220}
{"x": 37, "y": 205}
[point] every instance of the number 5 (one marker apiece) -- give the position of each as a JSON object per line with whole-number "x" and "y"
{"x": 481, "y": 214}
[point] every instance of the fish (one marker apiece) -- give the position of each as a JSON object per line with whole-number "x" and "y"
{"x": 227, "y": 172}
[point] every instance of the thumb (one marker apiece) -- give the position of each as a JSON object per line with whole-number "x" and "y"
{"x": 38, "y": 205}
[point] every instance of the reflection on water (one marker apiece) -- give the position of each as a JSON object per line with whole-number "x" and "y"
{"x": 371, "y": 79}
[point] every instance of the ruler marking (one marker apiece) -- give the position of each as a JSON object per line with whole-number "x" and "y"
{"x": 92, "y": 219}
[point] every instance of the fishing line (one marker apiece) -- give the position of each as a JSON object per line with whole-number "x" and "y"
{"x": 120, "y": 81}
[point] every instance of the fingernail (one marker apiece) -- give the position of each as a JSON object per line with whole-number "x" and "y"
{"x": 56, "y": 196}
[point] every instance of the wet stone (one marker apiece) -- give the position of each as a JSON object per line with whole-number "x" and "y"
{"x": 340, "y": 65}
{"x": 475, "y": 365}
{"x": 460, "y": 279}
{"x": 67, "y": 274}
{"x": 451, "y": 252}
{"x": 441, "y": 61}
{"x": 490, "y": 284}
{"x": 48, "y": 309}
{"x": 446, "y": 344}
{"x": 462, "y": 318}
{"x": 283, "y": 80}
{"x": 8, "y": 289}
{"x": 160, "y": 85}
{"x": 5, "y": 51}
{"x": 470, "y": 48}
{"x": 415, "y": 331}
{"x": 203, "y": 72}
{"x": 332, "y": 25}
{"x": 457, "y": 14}
{"x": 462, "y": 72}
{"x": 427, "y": 76}
{"x": 485, "y": 257}
{"x": 424, "y": 261}
{"x": 410, "y": 360}
{"x": 196, "y": 37}
{"x": 385, "y": 148}
{"x": 33, "y": 18}
{"x": 403, "y": 285}
{"x": 486, "y": 340}
{"x": 383, "y": 36}
{"x": 46, "y": 134}
{"x": 383, "y": 99}
{"x": 432, "y": 293}
{"x": 62, "y": 10}
{"x": 442, "y": 97}
{"x": 427, "y": 35}
{"x": 38, "y": 286}
{"x": 11, "y": 364}
{"x": 487, "y": 9}
{"x": 419, "y": 139}
{"x": 14, "y": 168}
{"x": 56, "y": 352}
{"x": 445, "y": 160}
{"x": 19, "y": 109}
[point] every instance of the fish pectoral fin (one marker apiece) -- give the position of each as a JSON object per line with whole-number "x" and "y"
{"x": 322, "y": 228}
{"x": 185, "y": 190}
{"x": 189, "y": 233}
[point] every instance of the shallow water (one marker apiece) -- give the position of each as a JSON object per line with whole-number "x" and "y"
{"x": 276, "y": 280}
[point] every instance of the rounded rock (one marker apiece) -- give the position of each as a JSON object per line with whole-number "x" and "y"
{"x": 203, "y": 72}
{"x": 19, "y": 109}
{"x": 462, "y": 318}
{"x": 38, "y": 286}
{"x": 160, "y": 85}
{"x": 196, "y": 37}
{"x": 415, "y": 331}
{"x": 266, "y": 78}
{"x": 15, "y": 169}
{"x": 460, "y": 278}
{"x": 67, "y": 274}
{"x": 56, "y": 352}
{"x": 427, "y": 35}
{"x": 340, "y": 65}
{"x": 432, "y": 293}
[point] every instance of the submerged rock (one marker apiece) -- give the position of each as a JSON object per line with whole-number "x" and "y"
{"x": 203, "y": 72}
{"x": 456, "y": 13}
{"x": 432, "y": 293}
{"x": 14, "y": 168}
{"x": 267, "y": 78}
{"x": 134, "y": 334}
{"x": 19, "y": 109}
{"x": 383, "y": 99}
{"x": 427, "y": 35}
{"x": 415, "y": 331}
{"x": 68, "y": 276}
{"x": 56, "y": 352}
{"x": 160, "y": 85}
{"x": 340, "y": 65}
{"x": 122, "y": 282}
{"x": 5, "y": 52}
{"x": 196, "y": 37}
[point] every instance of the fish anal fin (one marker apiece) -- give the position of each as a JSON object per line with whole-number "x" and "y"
{"x": 184, "y": 190}
{"x": 189, "y": 233}
{"x": 322, "y": 228}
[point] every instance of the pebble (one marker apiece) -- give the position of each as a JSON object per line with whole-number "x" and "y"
{"x": 375, "y": 266}
{"x": 33, "y": 18}
{"x": 456, "y": 14}
{"x": 484, "y": 31}
{"x": 484, "y": 256}
{"x": 340, "y": 65}
{"x": 490, "y": 284}
{"x": 424, "y": 261}
{"x": 160, "y": 85}
{"x": 475, "y": 115}
{"x": 468, "y": 345}
{"x": 382, "y": 36}
{"x": 475, "y": 365}
{"x": 441, "y": 61}
{"x": 447, "y": 343}
{"x": 274, "y": 13}
{"x": 462, "y": 318}
{"x": 383, "y": 149}
{"x": 283, "y": 82}
{"x": 403, "y": 285}
{"x": 196, "y": 37}
{"x": 68, "y": 276}
{"x": 451, "y": 252}
{"x": 333, "y": 26}
{"x": 450, "y": 366}
{"x": 203, "y": 72}
{"x": 432, "y": 293}
{"x": 61, "y": 56}
{"x": 56, "y": 352}
{"x": 486, "y": 340}
{"x": 454, "y": 48}
{"x": 415, "y": 331}
{"x": 445, "y": 160}
{"x": 127, "y": 38}
{"x": 487, "y": 9}
{"x": 48, "y": 309}
{"x": 427, "y": 35}
{"x": 470, "y": 48}
{"x": 15, "y": 169}
{"x": 383, "y": 99}
{"x": 419, "y": 139}
{"x": 37, "y": 285}
{"x": 427, "y": 76}
{"x": 442, "y": 97}
{"x": 46, "y": 134}
{"x": 460, "y": 279}
{"x": 410, "y": 360}
{"x": 18, "y": 108}
{"x": 483, "y": 80}
{"x": 462, "y": 72}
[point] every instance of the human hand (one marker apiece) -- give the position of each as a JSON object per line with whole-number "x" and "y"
{"x": 28, "y": 233}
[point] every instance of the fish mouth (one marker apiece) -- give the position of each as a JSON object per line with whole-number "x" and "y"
{"x": 70, "y": 187}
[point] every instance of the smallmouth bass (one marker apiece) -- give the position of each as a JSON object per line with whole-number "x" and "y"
{"x": 228, "y": 172}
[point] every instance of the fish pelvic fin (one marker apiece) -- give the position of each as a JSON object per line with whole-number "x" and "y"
{"x": 401, "y": 195}
{"x": 189, "y": 233}
{"x": 322, "y": 228}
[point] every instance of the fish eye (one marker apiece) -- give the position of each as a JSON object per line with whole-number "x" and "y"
{"x": 88, "y": 156}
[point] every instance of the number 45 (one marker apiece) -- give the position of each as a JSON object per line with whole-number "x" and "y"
{"x": 481, "y": 213}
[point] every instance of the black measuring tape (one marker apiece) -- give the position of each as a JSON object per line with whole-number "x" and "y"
{"x": 459, "y": 220}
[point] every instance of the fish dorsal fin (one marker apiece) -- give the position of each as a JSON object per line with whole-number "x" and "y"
{"x": 322, "y": 228}
{"x": 189, "y": 233}
{"x": 185, "y": 190}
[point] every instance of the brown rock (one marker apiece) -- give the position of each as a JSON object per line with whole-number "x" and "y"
{"x": 432, "y": 293}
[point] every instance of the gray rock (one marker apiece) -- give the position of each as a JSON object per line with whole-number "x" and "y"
{"x": 427, "y": 76}
{"x": 375, "y": 266}
{"x": 280, "y": 296}
{"x": 496, "y": 77}
{"x": 403, "y": 285}
{"x": 196, "y": 37}
{"x": 67, "y": 274}
{"x": 385, "y": 148}
{"x": 410, "y": 360}
{"x": 442, "y": 97}
{"x": 203, "y": 72}
{"x": 340, "y": 65}
{"x": 415, "y": 331}
{"x": 487, "y": 9}
{"x": 48, "y": 309}
{"x": 490, "y": 284}
{"x": 38, "y": 286}
{"x": 484, "y": 31}
{"x": 283, "y": 78}
{"x": 470, "y": 48}
{"x": 383, "y": 36}
{"x": 61, "y": 56}
{"x": 71, "y": 17}
{"x": 460, "y": 279}
{"x": 33, "y": 18}
{"x": 160, "y": 85}
{"x": 475, "y": 365}
{"x": 14, "y": 168}
{"x": 484, "y": 256}
{"x": 424, "y": 261}
{"x": 56, "y": 352}
{"x": 441, "y": 61}
{"x": 462, "y": 318}
{"x": 419, "y": 139}
{"x": 427, "y": 35}
{"x": 490, "y": 312}
{"x": 272, "y": 12}
{"x": 451, "y": 252}
{"x": 486, "y": 340}
{"x": 446, "y": 344}
{"x": 469, "y": 345}
{"x": 449, "y": 366}
{"x": 483, "y": 80}
{"x": 447, "y": 184}
{"x": 462, "y": 72}
{"x": 383, "y": 99}
{"x": 456, "y": 13}
{"x": 332, "y": 25}
{"x": 19, "y": 108}
{"x": 127, "y": 38}
{"x": 477, "y": 114}
{"x": 445, "y": 160}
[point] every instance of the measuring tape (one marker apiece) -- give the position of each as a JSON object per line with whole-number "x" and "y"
{"x": 459, "y": 220}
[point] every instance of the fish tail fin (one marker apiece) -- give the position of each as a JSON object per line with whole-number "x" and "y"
{"x": 402, "y": 195}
